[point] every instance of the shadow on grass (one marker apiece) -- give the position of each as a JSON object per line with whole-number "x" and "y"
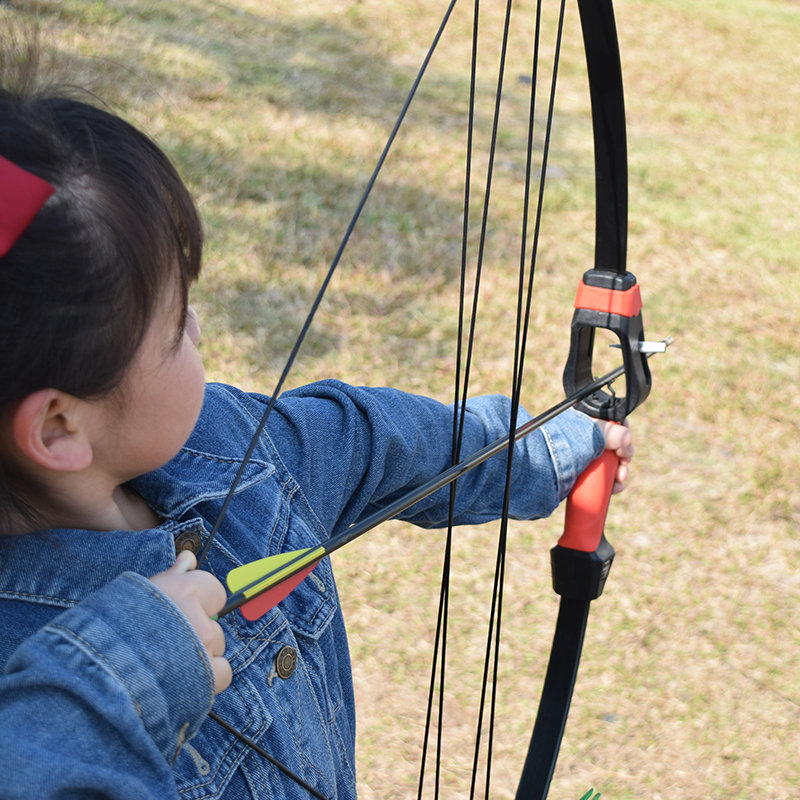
{"x": 289, "y": 219}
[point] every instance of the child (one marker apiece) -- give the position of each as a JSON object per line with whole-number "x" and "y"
{"x": 115, "y": 456}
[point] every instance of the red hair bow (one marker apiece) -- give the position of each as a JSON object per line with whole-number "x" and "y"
{"x": 22, "y": 195}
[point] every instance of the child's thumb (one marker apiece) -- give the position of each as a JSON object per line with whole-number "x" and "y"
{"x": 185, "y": 562}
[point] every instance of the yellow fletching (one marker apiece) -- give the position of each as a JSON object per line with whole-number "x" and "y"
{"x": 273, "y": 570}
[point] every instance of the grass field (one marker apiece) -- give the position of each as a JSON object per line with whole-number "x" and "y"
{"x": 276, "y": 112}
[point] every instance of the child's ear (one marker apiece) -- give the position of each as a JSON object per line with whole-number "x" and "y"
{"x": 47, "y": 428}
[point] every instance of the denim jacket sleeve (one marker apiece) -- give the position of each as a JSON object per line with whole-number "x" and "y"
{"x": 89, "y": 706}
{"x": 374, "y": 445}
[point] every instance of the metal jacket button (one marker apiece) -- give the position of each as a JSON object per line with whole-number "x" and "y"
{"x": 286, "y": 661}
{"x": 188, "y": 540}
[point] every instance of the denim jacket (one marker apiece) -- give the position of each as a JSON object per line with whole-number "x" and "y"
{"x": 105, "y": 689}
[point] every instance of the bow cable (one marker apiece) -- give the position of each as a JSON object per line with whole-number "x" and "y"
{"x": 202, "y": 555}
{"x": 323, "y": 288}
{"x": 524, "y": 302}
{"x": 460, "y": 393}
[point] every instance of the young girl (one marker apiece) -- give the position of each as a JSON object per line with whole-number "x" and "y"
{"x": 115, "y": 456}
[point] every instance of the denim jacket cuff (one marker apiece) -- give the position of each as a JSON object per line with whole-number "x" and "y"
{"x": 574, "y": 441}
{"x": 125, "y": 628}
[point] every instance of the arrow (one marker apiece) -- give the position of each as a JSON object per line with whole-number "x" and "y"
{"x": 260, "y": 585}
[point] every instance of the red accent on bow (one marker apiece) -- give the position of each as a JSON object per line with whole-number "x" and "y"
{"x": 626, "y": 303}
{"x": 22, "y": 195}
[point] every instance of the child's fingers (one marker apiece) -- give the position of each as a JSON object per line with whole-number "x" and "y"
{"x": 223, "y": 674}
{"x": 620, "y": 478}
{"x": 209, "y": 591}
{"x": 213, "y": 639}
{"x": 619, "y": 439}
{"x": 199, "y": 595}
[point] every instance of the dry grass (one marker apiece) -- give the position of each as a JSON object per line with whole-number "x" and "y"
{"x": 276, "y": 112}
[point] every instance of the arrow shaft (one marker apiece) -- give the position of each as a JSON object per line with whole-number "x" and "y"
{"x": 290, "y": 568}
{"x": 457, "y": 470}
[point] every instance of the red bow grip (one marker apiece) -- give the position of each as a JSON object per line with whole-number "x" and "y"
{"x": 587, "y": 504}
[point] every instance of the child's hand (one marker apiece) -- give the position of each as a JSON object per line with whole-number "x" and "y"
{"x": 199, "y": 595}
{"x": 619, "y": 439}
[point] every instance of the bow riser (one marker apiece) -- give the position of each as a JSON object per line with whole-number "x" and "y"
{"x": 612, "y": 302}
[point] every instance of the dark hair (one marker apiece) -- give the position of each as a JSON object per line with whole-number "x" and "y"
{"x": 79, "y": 287}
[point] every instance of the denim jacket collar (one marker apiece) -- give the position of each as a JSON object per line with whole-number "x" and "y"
{"x": 212, "y": 474}
{"x": 71, "y": 563}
